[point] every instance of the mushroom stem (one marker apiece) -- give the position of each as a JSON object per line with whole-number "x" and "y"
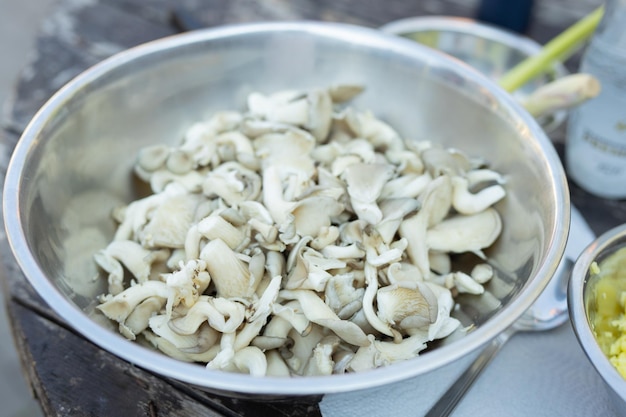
{"x": 371, "y": 278}
{"x": 563, "y": 93}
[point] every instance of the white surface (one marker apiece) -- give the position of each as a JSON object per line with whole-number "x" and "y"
{"x": 535, "y": 374}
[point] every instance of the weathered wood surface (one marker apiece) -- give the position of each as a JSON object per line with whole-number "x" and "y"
{"x": 68, "y": 374}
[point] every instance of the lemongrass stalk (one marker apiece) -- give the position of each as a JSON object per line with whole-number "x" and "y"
{"x": 566, "y": 92}
{"x": 556, "y": 49}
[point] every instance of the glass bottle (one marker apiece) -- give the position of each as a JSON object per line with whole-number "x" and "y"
{"x": 595, "y": 153}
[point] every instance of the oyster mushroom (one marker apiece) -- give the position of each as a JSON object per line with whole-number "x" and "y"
{"x": 403, "y": 273}
{"x": 379, "y": 133}
{"x": 222, "y": 314}
{"x": 407, "y": 306}
{"x": 379, "y": 353}
{"x": 179, "y": 162}
{"x": 321, "y": 361}
{"x": 394, "y": 211}
{"x": 153, "y": 157}
{"x": 289, "y": 107}
{"x": 273, "y": 198}
{"x": 134, "y": 216}
{"x": 229, "y": 273}
{"x": 138, "y": 320}
{"x": 301, "y": 351}
{"x": 318, "y": 312}
{"x": 216, "y": 227}
{"x": 276, "y": 365}
{"x": 191, "y": 181}
{"x": 341, "y": 93}
{"x": 320, "y": 114}
{"x": 369, "y": 296}
{"x": 262, "y": 309}
{"x": 465, "y": 283}
{"x": 169, "y": 222}
{"x": 365, "y": 183}
{"x": 297, "y": 239}
{"x": 439, "y": 161}
{"x": 445, "y": 324}
{"x": 406, "y": 186}
{"x": 187, "y": 284}
{"x": 466, "y": 202}
{"x": 199, "y": 139}
{"x": 127, "y": 253}
{"x": 233, "y": 183}
{"x": 159, "y": 324}
{"x": 292, "y": 314}
{"x": 250, "y": 360}
{"x": 465, "y": 233}
{"x": 435, "y": 205}
{"x": 120, "y": 306}
{"x": 342, "y": 296}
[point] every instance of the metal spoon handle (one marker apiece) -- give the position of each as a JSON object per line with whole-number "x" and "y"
{"x": 451, "y": 398}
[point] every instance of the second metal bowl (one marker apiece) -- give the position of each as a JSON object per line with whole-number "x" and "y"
{"x": 489, "y": 49}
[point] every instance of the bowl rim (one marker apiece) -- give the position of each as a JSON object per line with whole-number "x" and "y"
{"x": 277, "y": 386}
{"x": 610, "y": 240}
{"x": 468, "y": 26}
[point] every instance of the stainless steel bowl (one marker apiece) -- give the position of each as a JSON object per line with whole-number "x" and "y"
{"x": 581, "y": 308}
{"x": 489, "y": 49}
{"x": 72, "y": 166}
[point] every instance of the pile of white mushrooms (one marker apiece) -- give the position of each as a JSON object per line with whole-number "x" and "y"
{"x": 300, "y": 237}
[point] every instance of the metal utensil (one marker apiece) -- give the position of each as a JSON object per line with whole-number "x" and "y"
{"x": 548, "y": 311}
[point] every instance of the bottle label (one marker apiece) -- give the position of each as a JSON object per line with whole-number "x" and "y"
{"x": 596, "y": 145}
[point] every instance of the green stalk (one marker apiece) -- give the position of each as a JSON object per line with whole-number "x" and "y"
{"x": 556, "y": 49}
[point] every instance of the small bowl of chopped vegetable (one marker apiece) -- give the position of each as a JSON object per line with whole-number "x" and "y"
{"x": 283, "y": 209}
{"x": 597, "y": 305}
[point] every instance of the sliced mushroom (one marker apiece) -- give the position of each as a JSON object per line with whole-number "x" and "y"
{"x": 406, "y": 186}
{"x": 341, "y": 93}
{"x": 170, "y": 222}
{"x": 405, "y": 306}
{"x": 230, "y": 274}
{"x": 321, "y": 362}
{"x": 120, "y": 306}
{"x": 365, "y": 183}
{"x": 394, "y": 211}
{"x": 379, "y": 353}
{"x": 465, "y": 233}
{"x": 342, "y": 296}
{"x": 435, "y": 205}
{"x": 216, "y": 227}
{"x": 318, "y": 312}
{"x": 222, "y": 314}
{"x": 233, "y": 183}
{"x": 295, "y": 240}
{"x": 138, "y": 320}
{"x": 127, "y": 253}
{"x": 466, "y": 202}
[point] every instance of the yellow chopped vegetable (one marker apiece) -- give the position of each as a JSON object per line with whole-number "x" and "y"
{"x": 608, "y": 308}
